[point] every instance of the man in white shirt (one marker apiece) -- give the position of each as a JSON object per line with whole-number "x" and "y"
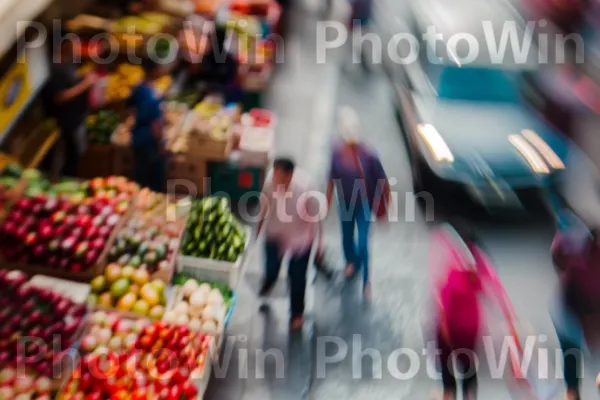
{"x": 290, "y": 214}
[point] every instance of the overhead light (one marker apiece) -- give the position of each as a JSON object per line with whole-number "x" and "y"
{"x": 437, "y": 145}
{"x": 534, "y": 160}
{"x": 545, "y": 150}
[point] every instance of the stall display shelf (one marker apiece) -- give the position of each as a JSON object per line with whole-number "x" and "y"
{"x": 205, "y": 269}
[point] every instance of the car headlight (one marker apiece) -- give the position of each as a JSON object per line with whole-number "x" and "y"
{"x": 436, "y": 143}
{"x": 535, "y": 161}
{"x": 543, "y": 148}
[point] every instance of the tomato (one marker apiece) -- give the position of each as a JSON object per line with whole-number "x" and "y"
{"x": 181, "y": 375}
{"x": 190, "y": 390}
{"x": 175, "y": 393}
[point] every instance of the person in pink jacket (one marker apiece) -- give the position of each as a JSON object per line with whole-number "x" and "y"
{"x": 467, "y": 275}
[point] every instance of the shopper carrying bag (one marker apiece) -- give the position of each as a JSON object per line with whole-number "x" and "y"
{"x": 362, "y": 189}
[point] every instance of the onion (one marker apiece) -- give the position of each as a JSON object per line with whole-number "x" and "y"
{"x": 215, "y": 298}
{"x": 195, "y": 325}
{"x": 181, "y": 308}
{"x": 209, "y": 327}
{"x": 196, "y": 312}
{"x": 182, "y": 320}
{"x": 209, "y": 313}
{"x": 190, "y": 287}
{"x": 205, "y": 288}
{"x": 170, "y": 317}
{"x": 198, "y": 299}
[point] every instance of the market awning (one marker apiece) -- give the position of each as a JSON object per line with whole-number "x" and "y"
{"x": 11, "y": 13}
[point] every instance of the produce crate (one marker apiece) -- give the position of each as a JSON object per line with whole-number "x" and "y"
{"x": 209, "y": 149}
{"x": 123, "y": 162}
{"x": 205, "y": 269}
{"x": 188, "y": 168}
{"x": 98, "y": 160}
{"x": 202, "y": 380}
{"x": 220, "y": 336}
{"x": 235, "y": 180}
{"x": 78, "y": 292}
{"x": 84, "y": 276}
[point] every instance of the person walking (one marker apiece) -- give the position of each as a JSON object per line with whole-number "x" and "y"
{"x": 467, "y": 276}
{"x": 577, "y": 313}
{"x": 362, "y": 188}
{"x": 147, "y": 133}
{"x": 65, "y": 99}
{"x": 291, "y": 219}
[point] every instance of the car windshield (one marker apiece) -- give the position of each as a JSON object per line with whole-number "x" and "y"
{"x": 477, "y": 84}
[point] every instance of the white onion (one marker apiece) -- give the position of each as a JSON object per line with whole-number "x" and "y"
{"x": 182, "y": 319}
{"x": 209, "y": 313}
{"x": 170, "y": 317}
{"x": 195, "y": 325}
{"x": 190, "y": 287}
{"x": 209, "y": 327}
{"x": 205, "y": 288}
{"x": 181, "y": 308}
{"x": 196, "y": 312}
{"x": 198, "y": 298}
{"x": 215, "y": 298}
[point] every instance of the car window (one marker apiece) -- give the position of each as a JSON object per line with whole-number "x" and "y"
{"x": 475, "y": 84}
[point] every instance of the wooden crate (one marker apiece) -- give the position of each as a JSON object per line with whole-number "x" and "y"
{"x": 123, "y": 162}
{"x": 98, "y": 161}
{"x": 187, "y": 168}
{"x": 209, "y": 149}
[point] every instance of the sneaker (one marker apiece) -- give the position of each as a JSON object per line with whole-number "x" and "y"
{"x": 367, "y": 291}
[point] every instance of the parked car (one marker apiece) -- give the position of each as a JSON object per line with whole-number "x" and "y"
{"x": 467, "y": 126}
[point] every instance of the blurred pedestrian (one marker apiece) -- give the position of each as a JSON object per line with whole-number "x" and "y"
{"x": 147, "y": 134}
{"x": 360, "y": 22}
{"x": 467, "y": 277}
{"x": 66, "y": 100}
{"x": 577, "y": 314}
{"x": 362, "y": 189}
{"x": 290, "y": 217}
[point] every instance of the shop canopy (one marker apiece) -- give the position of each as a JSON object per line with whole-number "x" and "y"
{"x": 11, "y": 13}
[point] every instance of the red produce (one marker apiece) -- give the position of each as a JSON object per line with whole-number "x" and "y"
{"x": 31, "y": 239}
{"x": 68, "y": 245}
{"x": 81, "y": 249}
{"x": 54, "y": 245}
{"x": 76, "y": 267}
{"x": 9, "y": 229}
{"x": 37, "y": 209}
{"x": 92, "y": 232}
{"x": 28, "y": 307}
{"x": 91, "y": 257}
{"x": 70, "y": 221}
{"x": 24, "y": 204}
{"x": 104, "y": 231}
{"x": 77, "y": 233}
{"x": 84, "y": 221}
{"x": 64, "y": 263}
{"x": 53, "y": 261}
{"x": 58, "y": 217}
{"x": 52, "y": 205}
{"x": 39, "y": 252}
{"x": 46, "y": 231}
{"x": 21, "y": 231}
{"x": 175, "y": 393}
{"x": 61, "y": 231}
{"x": 190, "y": 390}
{"x": 62, "y": 307}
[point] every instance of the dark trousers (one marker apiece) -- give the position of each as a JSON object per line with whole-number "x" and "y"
{"x": 296, "y": 274}
{"x": 75, "y": 142}
{"x": 465, "y": 363}
{"x": 572, "y": 363}
{"x": 150, "y": 169}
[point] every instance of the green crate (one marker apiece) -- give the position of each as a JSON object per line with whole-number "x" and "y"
{"x": 235, "y": 181}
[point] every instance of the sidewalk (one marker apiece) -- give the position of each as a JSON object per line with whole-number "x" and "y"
{"x": 302, "y": 96}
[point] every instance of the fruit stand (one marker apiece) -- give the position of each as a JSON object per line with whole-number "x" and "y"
{"x": 128, "y": 276}
{"x": 159, "y": 279}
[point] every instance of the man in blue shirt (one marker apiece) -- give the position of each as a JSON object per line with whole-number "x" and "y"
{"x": 147, "y": 140}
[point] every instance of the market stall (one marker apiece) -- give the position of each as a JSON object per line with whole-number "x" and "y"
{"x": 159, "y": 272}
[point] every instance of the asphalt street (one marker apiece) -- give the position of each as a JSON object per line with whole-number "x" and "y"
{"x": 350, "y": 349}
